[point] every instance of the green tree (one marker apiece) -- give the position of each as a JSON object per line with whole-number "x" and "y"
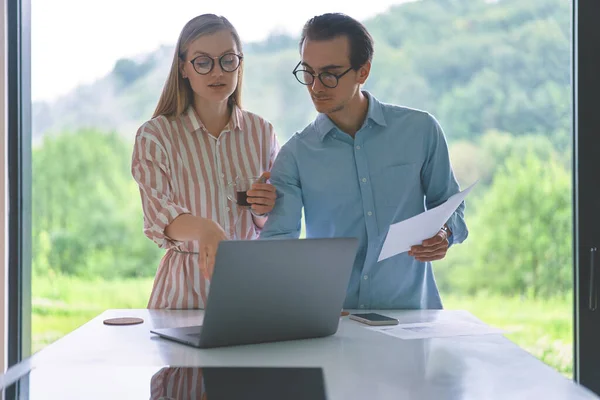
{"x": 520, "y": 236}
{"x": 476, "y": 65}
{"x": 87, "y": 217}
{"x": 479, "y": 159}
{"x": 126, "y": 71}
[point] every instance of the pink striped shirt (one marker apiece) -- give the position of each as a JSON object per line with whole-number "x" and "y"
{"x": 181, "y": 383}
{"x": 181, "y": 168}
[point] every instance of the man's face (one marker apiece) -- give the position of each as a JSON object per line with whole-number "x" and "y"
{"x": 332, "y": 56}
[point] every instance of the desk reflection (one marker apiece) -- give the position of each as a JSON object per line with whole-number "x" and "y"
{"x": 183, "y": 383}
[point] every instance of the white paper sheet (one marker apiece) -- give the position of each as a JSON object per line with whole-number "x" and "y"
{"x": 404, "y": 234}
{"x": 427, "y": 330}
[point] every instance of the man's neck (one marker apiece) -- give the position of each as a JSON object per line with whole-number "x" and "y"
{"x": 351, "y": 118}
{"x": 214, "y": 116}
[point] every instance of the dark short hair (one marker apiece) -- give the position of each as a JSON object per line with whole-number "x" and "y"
{"x": 331, "y": 25}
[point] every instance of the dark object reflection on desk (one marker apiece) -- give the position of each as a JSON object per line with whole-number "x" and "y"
{"x": 215, "y": 383}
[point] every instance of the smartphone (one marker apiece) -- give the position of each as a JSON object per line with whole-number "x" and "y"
{"x": 374, "y": 319}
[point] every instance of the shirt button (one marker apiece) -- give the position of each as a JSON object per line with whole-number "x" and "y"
{"x": 369, "y": 213}
{"x": 357, "y": 147}
{"x": 364, "y": 180}
{"x": 366, "y": 277}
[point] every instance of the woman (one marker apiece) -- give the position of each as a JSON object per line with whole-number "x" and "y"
{"x": 198, "y": 141}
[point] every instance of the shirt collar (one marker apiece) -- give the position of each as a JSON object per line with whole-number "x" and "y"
{"x": 236, "y": 119}
{"x": 193, "y": 123}
{"x": 324, "y": 125}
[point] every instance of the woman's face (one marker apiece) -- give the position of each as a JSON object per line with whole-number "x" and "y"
{"x": 212, "y": 66}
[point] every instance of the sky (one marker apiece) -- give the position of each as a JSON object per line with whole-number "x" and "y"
{"x": 75, "y": 42}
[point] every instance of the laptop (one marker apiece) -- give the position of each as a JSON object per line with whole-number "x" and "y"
{"x": 272, "y": 290}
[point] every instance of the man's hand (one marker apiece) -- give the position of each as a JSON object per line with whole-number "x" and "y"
{"x": 262, "y": 195}
{"x": 432, "y": 249}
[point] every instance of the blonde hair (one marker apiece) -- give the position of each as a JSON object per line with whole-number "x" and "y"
{"x": 177, "y": 94}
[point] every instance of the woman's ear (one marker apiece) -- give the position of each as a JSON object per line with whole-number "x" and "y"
{"x": 182, "y": 69}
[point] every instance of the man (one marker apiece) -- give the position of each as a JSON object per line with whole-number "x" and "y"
{"x": 361, "y": 166}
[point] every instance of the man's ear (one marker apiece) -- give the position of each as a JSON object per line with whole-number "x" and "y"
{"x": 363, "y": 72}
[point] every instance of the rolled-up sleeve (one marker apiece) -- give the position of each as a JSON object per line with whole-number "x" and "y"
{"x": 150, "y": 170}
{"x": 439, "y": 182}
{"x": 285, "y": 219}
{"x": 274, "y": 148}
{"x": 273, "y": 151}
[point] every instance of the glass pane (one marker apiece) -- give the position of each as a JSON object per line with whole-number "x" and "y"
{"x": 92, "y": 382}
{"x": 496, "y": 74}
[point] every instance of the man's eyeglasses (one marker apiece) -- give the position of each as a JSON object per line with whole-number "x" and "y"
{"x": 229, "y": 62}
{"x": 328, "y": 79}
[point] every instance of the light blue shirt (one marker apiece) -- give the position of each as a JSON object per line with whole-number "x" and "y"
{"x": 396, "y": 167}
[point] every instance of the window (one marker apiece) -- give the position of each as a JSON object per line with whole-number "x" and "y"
{"x": 497, "y": 75}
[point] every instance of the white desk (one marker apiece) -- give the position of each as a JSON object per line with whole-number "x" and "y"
{"x": 357, "y": 363}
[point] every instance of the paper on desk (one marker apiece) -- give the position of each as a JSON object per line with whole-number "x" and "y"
{"x": 404, "y": 234}
{"x": 427, "y": 330}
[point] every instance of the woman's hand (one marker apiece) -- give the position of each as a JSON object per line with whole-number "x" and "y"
{"x": 210, "y": 234}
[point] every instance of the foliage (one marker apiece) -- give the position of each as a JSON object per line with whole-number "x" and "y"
{"x": 481, "y": 158}
{"x": 477, "y": 65}
{"x": 520, "y": 240}
{"x": 126, "y": 71}
{"x": 86, "y": 210}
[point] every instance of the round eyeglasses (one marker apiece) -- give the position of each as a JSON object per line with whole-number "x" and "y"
{"x": 328, "y": 79}
{"x": 229, "y": 62}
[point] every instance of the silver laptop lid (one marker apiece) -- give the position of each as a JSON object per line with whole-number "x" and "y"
{"x": 277, "y": 289}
